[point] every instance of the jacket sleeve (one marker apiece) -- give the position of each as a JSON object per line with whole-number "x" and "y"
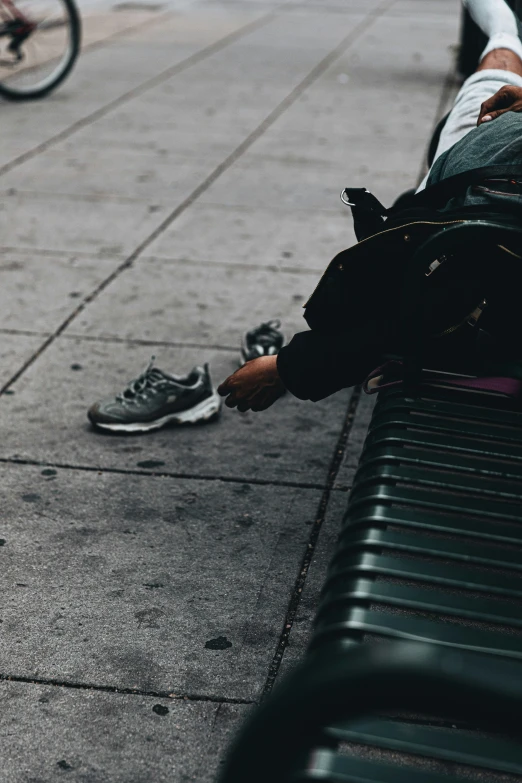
{"x": 312, "y": 366}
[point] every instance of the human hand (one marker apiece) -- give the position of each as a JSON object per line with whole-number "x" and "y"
{"x": 255, "y": 386}
{"x": 508, "y": 98}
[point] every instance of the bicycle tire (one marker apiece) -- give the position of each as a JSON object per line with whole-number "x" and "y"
{"x": 75, "y": 28}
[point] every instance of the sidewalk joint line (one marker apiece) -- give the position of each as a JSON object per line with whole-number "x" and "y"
{"x": 184, "y": 260}
{"x": 24, "y": 332}
{"x": 87, "y": 686}
{"x": 163, "y": 474}
{"x": 152, "y": 343}
{"x": 304, "y": 568}
{"x": 93, "y": 338}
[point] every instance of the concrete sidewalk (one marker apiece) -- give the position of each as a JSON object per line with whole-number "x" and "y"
{"x": 182, "y": 186}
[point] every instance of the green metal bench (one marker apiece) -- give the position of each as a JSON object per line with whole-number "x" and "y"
{"x": 417, "y": 643}
{"x": 430, "y": 550}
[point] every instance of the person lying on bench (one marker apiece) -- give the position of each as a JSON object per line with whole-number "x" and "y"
{"x": 484, "y": 128}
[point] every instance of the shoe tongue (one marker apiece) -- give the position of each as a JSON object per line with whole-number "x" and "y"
{"x": 156, "y": 374}
{"x": 152, "y": 374}
{"x": 265, "y": 339}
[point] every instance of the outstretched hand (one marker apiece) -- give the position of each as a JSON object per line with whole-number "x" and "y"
{"x": 255, "y": 386}
{"x": 508, "y": 98}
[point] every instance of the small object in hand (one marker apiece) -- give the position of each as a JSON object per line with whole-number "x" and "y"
{"x": 265, "y": 340}
{"x": 155, "y": 399}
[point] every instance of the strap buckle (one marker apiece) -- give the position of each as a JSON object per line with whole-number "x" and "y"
{"x": 349, "y": 194}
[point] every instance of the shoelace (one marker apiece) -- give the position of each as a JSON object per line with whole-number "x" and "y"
{"x": 266, "y": 333}
{"x": 148, "y": 380}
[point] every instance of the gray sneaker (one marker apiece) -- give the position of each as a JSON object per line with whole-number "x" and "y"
{"x": 155, "y": 399}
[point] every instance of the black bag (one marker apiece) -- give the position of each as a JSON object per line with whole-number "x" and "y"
{"x": 411, "y": 266}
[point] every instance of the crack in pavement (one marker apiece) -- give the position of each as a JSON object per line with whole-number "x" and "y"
{"x": 165, "y": 474}
{"x": 88, "y": 686}
{"x": 304, "y": 568}
{"x": 183, "y": 260}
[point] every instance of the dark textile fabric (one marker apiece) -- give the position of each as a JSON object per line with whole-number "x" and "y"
{"x": 313, "y": 366}
{"x": 493, "y": 143}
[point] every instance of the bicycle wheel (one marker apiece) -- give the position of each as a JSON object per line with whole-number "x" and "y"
{"x": 39, "y": 43}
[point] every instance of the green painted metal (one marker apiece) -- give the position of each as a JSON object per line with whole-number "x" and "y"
{"x": 430, "y": 552}
{"x": 433, "y": 742}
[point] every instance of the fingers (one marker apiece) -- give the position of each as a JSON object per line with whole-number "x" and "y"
{"x": 496, "y": 105}
{"x": 492, "y": 115}
{"x": 259, "y": 401}
{"x": 255, "y": 386}
{"x": 238, "y": 379}
{"x": 243, "y": 401}
{"x": 226, "y": 387}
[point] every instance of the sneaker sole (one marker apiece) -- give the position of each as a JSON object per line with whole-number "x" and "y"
{"x": 203, "y": 411}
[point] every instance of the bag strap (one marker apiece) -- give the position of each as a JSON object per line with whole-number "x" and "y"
{"x": 507, "y": 387}
{"x": 440, "y": 193}
{"x": 369, "y": 214}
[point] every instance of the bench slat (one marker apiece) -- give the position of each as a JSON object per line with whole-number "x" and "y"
{"x": 365, "y": 591}
{"x": 439, "y": 480}
{"x": 446, "y": 744}
{"x": 380, "y": 516}
{"x": 445, "y": 548}
{"x": 358, "y": 620}
{"x": 325, "y": 764}
{"x": 461, "y": 577}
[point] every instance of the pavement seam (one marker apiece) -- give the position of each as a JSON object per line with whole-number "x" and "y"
{"x": 124, "y": 340}
{"x": 312, "y": 76}
{"x": 163, "y": 343}
{"x": 164, "y": 474}
{"x": 304, "y": 568}
{"x": 87, "y": 686}
{"x": 168, "y": 73}
{"x": 183, "y": 260}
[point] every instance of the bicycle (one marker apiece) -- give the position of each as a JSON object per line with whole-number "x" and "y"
{"x": 39, "y": 44}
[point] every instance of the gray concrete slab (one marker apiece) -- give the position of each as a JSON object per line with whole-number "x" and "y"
{"x": 333, "y": 6}
{"x": 428, "y": 8}
{"x": 184, "y": 302}
{"x": 15, "y": 350}
{"x": 100, "y": 79}
{"x": 157, "y": 584}
{"x": 188, "y": 101}
{"x": 50, "y": 734}
{"x": 241, "y": 234}
{"x": 156, "y": 176}
{"x": 272, "y": 183}
{"x": 292, "y": 441}
{"x": 39, "y": 292}
{"x": 277, "y": 172}
{"x": 63, "y": 223}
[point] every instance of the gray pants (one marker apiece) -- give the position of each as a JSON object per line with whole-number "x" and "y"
{"x": 464, "y": 115}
